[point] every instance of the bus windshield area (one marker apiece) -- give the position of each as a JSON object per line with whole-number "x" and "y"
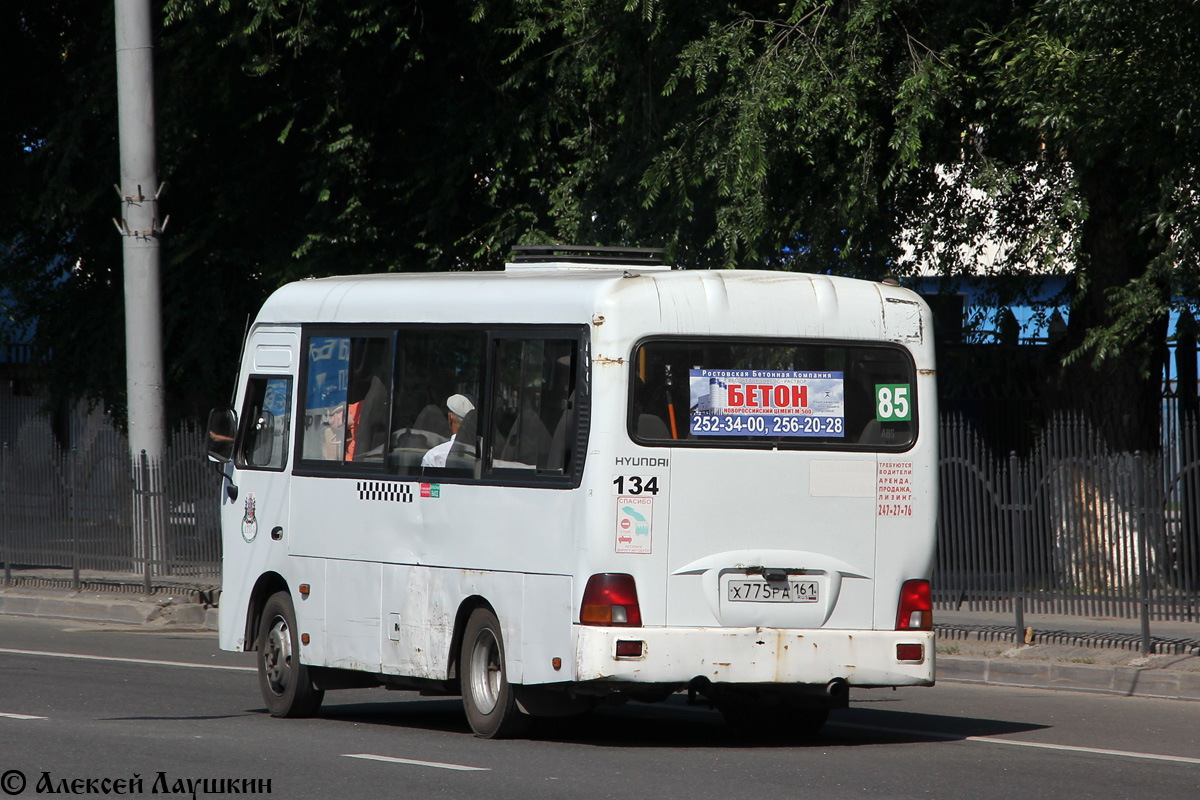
{"x": 773, "y": 394}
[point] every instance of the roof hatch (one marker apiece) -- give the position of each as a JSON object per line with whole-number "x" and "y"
{"x": 551, "y": 257}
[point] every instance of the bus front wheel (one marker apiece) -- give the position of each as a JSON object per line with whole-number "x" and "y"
{"x": 488, "y": 698}
{"x": 286, "y": 686}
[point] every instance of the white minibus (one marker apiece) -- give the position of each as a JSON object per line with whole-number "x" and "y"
{"x": 587, "y": 478}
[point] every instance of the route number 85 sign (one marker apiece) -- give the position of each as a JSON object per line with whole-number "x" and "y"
{"x": 892, "y": 402}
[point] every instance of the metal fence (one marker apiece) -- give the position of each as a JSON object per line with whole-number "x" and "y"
{"x": 87, "y": 508}
{"x": 1069, "y": 529}
{"x": 1072, "y": 528}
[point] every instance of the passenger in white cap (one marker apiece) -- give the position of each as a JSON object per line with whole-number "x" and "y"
{"x": 457, "y": 407}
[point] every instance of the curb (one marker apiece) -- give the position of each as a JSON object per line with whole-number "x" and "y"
{"x": 1116, "y": 640}
{"x": 1118, "y": 680}
{"x": 79, "y": 607}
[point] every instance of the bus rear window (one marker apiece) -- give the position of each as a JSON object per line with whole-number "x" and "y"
{"x": 778, "y": 393}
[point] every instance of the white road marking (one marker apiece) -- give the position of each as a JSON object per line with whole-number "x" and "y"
{"x": 144, "y": 661}
{"x": 1019, "y": 743}
{"x": 1094, "y": 750}
{"x": 19, "y": 716}
{"x": 437, "y": 764}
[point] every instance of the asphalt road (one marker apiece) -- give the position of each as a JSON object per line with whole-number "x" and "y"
{"x": 101, "y": 704}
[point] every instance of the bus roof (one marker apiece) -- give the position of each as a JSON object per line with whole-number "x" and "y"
{"x": 745, "y": 302}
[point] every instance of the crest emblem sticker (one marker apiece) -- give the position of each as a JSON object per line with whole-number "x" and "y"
{"x": 249, "y": 521}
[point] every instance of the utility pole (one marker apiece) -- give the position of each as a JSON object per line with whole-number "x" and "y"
{"x": 140, "y": 226}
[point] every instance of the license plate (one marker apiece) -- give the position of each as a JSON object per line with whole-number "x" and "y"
{"x": 752, "y": 591}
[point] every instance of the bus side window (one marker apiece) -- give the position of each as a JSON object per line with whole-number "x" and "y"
{"x": 431, "y": 367}
{"x": 266, "y": 418}
{"x": 346, "y": 399}
{"x": 533, "y": 414}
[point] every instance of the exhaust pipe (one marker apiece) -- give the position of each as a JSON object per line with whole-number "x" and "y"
{"x": 837, "y": 688}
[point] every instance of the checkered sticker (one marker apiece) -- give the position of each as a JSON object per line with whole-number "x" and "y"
{"x": 386, "y": 491}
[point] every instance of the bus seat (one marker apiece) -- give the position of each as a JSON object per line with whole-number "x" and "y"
{"x": 406, "y": 460}
{"x": 417, "y": 439}
{"x": 651, "y": 426}
{"x": 872, "y": 433}
{"x": 528, "y": 441}
{"x": 432, "y": 418}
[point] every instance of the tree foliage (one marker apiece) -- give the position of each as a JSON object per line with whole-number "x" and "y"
{"x": 864, "y": 137}
{"x": 1103, "y": 86}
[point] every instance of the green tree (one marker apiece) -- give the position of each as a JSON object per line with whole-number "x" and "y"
{"x": 835, "y": 131}
{"x": 1108, "y": 90}
{"x": 865, "y": 137}
{"x": 297, "y": 139}
{"x": 54, "y": 267}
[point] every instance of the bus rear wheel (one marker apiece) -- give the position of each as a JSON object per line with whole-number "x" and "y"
{"x": 488, "y": 698}
{"x": 286, "y": 686}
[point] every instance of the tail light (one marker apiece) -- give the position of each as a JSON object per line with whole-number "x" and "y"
{"x": 916, "y": 607}
{"x": 610, "y": 598}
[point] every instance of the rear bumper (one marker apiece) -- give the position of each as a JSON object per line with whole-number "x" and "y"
{"x": 753, "y": 655}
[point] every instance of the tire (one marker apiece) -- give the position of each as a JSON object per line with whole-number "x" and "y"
{"x": 488, "y": 698}
{"x": 286, "y": 686}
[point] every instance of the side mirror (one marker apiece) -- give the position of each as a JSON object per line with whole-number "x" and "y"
{"x": 222, "y": 430}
